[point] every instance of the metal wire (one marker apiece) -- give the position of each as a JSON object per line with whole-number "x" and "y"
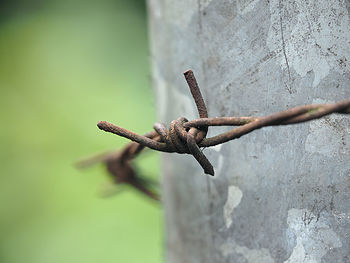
{"x": 186, "y": 136}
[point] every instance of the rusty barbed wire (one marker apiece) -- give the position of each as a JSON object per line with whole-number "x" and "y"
{"x": 187, "y": 137}
{"x": 120, "y": 167}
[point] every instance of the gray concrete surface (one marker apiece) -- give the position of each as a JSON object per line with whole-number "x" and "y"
{"x": 280, "y": 194}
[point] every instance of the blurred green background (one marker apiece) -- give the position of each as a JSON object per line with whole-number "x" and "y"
{"x": 64, "y": 65}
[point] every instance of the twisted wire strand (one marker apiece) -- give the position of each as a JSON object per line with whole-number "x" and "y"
{"x": 187, "y": 137}
{"x": 120, "y": 166}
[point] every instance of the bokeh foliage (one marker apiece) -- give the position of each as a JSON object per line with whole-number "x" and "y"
{"x": 64, "y": 65}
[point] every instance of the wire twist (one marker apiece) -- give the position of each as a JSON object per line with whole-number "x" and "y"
{"x": 187, "y": 137}
{"x": 121, "y": 168}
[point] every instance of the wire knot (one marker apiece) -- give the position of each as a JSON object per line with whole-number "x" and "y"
{"x": 177, "y": 136}
{"x": 182, "y": 140}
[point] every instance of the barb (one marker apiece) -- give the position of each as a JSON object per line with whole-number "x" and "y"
{"x": 121, "y": 168}
{"x": 186, "y": 137}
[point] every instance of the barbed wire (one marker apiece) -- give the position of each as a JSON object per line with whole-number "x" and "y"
{"x": 187, "y": 137}
{"x": 121, "y": 168}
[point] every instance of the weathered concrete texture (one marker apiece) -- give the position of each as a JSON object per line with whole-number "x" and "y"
{"x": 280, "y": 194}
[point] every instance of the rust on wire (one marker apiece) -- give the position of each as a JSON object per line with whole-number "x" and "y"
{"x": 188, "y": 137}
{"x": 120, "y": 167}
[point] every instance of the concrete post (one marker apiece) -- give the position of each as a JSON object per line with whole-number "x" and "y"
{"x": 280, "y": 194}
